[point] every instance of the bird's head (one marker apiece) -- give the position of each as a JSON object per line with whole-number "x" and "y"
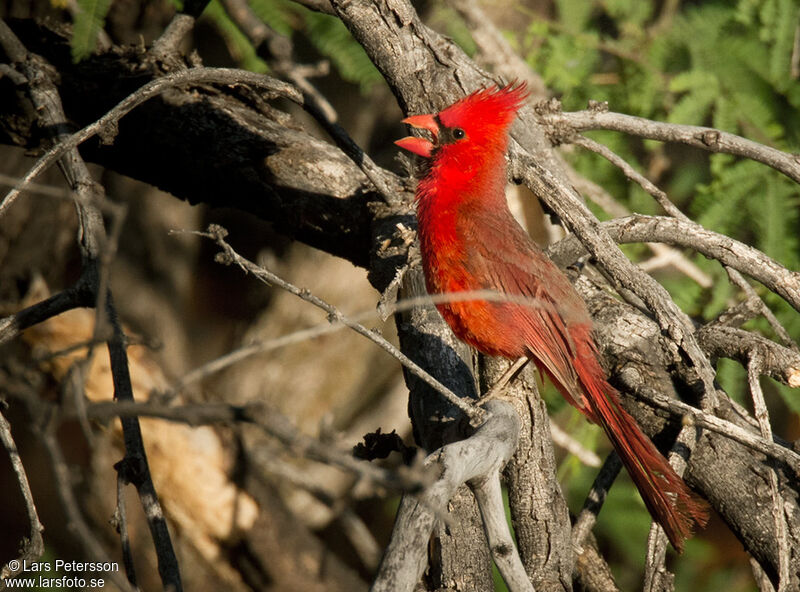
{"x": 480, "y": 120}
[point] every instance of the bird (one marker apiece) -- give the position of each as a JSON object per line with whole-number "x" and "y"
{"x": 470, "y": 242}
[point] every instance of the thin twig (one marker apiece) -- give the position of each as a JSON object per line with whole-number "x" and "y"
{"x": 107, "y": 123}
{"x": 257, "y": 346}
{"x": 74, "y": 517}
{"x": 693, "y": 416}
{"x": 33, "y": 547}
{"x": 273, "y": 423}
{"x": 685, "y": 233}
{"x": 736, "y": 277}
{"x": 575, "y": 448}
{"x": 165, "y": 48}
{"x": 664, "y": 254}
{"x": 277, "y": 50}
{"x": 656, "y": 573}
{"x": 356, "y": 531}
{"x": 96, "y": 253}
{"x": 675, "y": 212}
{"x": 630, "y": 173}
{"x": 229, "y": 255}
{"x": 778, "y": 362}
{"x": 754, "y": 369}
{"x": 120, "y": 522}
{"x": 595, "y": 499}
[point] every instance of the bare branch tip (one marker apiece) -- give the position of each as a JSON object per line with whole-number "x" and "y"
{"x": 548, "y": 107}
{"x": 217, "y": 232}
{"x": 598, "y": 106}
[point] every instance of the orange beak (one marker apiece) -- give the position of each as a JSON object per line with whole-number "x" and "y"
{"x": 420, "y": 146}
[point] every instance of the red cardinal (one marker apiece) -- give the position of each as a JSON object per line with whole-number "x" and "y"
{"x": 470, "y": 242}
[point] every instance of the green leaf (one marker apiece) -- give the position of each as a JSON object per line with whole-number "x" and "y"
{"x": 238, "y": 44}
{"x": 89, "y": 21}
{"x": 275, "y": 13}
{"x": 333, "y": 40}
{"x": 783, "y": 42}
{"x": 775, "y": 214}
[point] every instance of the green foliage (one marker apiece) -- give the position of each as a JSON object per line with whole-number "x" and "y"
{"x": 325, "y": 33}
{"x": 274, "y": 13}
{"x": 238, "y": 44}
{"x": 89, "y": 21}
{"x": 334, "y": 41}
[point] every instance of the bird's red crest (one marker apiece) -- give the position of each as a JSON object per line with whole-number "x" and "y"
{"x": 490, "y": 108}
{"x": 476, "y": 124}
{"x": 485, "y": 117}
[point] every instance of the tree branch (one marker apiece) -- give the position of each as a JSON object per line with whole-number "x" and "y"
{"x": 94, "y": 249}
{"x": 218, "y": 234}
{"x": 33, "y": 547}
{"x": 705, "y": 138}
{"x": 480, "y": 456}
{"x": 685, "y": 233}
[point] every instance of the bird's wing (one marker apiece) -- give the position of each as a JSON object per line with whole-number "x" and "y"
{"x": 542, "y": 308}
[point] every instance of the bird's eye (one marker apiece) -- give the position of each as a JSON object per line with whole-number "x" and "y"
{"x": 458, "y": 133}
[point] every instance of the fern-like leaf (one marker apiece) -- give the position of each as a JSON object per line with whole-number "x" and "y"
{"x": 333, "y": 40}
{"x": 89, "y": 21}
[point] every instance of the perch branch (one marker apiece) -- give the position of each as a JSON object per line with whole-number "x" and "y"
{"x": 480, "y": 456}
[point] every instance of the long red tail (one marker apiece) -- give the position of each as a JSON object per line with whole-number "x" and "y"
{"x": 665, "y": 494}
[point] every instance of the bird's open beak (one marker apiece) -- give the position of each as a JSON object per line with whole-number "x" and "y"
{"x": 420, "y": 146}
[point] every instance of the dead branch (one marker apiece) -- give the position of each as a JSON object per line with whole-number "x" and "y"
{"x": 479, "y": 457}
{"x": 685, "y": 233}
{"x": 95, "y": 250}
{"x": 33, "y": 548}
{"x": 754, "y": 370}
{"x": 272, "y": 422}
{"x": 704, "y": 138}
{"x": 230, "y": 256}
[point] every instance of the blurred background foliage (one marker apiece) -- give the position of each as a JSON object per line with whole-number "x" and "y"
{"x": 729, "y": 65}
